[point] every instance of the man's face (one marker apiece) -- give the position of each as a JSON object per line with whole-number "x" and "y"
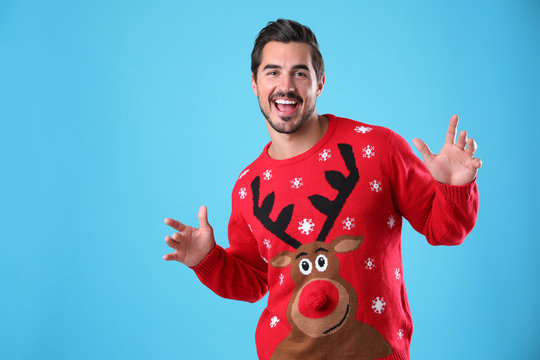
{"x": 286, "y": 85}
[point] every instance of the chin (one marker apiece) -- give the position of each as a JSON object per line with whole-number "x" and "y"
{"x": 286, "y": 125}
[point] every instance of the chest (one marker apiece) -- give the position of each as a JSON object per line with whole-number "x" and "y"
{"x": 342, "y": 191}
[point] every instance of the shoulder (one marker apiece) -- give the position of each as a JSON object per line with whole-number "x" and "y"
{"x": 242, "y": 187}
{"x": 257, "y": 163}
{"x": 355, "y": 128}
{"x": 359, "y": 132}
{"x": 371, "y": 143}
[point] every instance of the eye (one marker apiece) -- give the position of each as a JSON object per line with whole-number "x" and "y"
{"x": 300, "y": 74}
{"x": 305, "y": 266}
{"x": 321, "y": 263}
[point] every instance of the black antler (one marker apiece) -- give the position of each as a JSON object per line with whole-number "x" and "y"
{"x": 344, "y": 186}
{"x": 262, "y": 213}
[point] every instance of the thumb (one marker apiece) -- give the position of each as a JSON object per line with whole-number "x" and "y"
{"x": 423, "y": 148}
{"x": 203, "y": 218}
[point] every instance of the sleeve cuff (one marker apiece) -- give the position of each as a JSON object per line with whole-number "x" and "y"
{"x": 458, "y": 193}
{"x": 211, "y": 262}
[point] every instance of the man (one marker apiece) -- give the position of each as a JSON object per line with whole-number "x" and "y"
{"x": 316, "y": 219}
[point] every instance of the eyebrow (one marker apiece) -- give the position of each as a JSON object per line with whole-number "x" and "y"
{"x": 320, "y": 249}
{"x": 295, "y": 67}
{"x": 300, "y": 66}
{"x": 301, "y": 254}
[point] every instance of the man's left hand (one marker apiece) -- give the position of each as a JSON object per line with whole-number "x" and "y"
{"x": 455, "y": 164}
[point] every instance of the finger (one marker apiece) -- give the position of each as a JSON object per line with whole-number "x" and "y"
{"x": 452, "y": 128}
{"x": 461, "y": 140}
{"x": 471, "y": 146}
{"x": 170, "y": 257}
{"x": 477, "y": 163}
{"x": 423, "y": 148}
{"x": 175, "y": 224}
{"x": 203, "y": 218}
{"x": 173, "y": 243}
{"x": 178, "y": 237}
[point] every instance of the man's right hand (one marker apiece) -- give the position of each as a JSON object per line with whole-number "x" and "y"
{"x": 190, "y": 245}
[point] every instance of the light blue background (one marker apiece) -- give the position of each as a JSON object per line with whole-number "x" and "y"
{"x": 117, "y": 114}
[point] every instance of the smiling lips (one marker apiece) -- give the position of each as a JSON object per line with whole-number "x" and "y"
{"x": 285, "y": 106}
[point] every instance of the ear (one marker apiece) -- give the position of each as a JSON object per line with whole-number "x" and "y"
{"x": 254, "y": 85}
{"x": 282, "y": 259}
{"x": 320, "y": 85}
{"x": 346, "y": 243}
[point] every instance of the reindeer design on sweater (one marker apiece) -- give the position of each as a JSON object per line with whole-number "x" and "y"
{"x": 323, "y": 305}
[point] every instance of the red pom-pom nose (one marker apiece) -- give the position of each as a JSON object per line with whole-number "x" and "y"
{"x": 318, "y": 299}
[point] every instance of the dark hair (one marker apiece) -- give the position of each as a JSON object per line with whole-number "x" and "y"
{"x": 286, "y": 31}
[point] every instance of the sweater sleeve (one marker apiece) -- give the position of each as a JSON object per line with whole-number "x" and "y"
{"x": 444, "y": 214}
{"x": 237, "y": 272}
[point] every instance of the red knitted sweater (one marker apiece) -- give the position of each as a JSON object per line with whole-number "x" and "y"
{"x": 322, "y": 232}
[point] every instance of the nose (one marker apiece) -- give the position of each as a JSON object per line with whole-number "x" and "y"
{"x": 286, "y": 83}
{"x": 318, "y": 299}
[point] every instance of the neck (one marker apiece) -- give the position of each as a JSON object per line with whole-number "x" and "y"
{"x": 286, "y": 146}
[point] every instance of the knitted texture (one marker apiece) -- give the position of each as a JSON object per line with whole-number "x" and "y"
{"x": 322, "y": 232}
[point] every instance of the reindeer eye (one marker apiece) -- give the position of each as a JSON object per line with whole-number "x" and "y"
{"x": 305, "y": 266}
{"x": 321, "y": 263}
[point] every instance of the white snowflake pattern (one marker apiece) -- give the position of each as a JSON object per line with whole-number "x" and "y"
{"x": 325, "y": 155}
{"x": 267, "y": 175}
{"x": 348, "y": 223}
{"x": 375, "y": 185}
{"x": 370, "y": 263}
{"x": 242, "y": 193}
{"x": 250, "y": 229}
{"x": 378, "y": 305}
{"x": 243, "y": 174}
{"x": 391, "y": 222}
{"x": 306, "y": 226}
{"x": 267, "y": 243}
{"x": 274, "y": 321}
{"x": 264, "y": 259}
{"x": 397, "y": 272}
{"x": 362, "y": 129}
{"x": 368, "y": 151}
{"x": 281, "y": 279}
{"x": 400, "y": 334}
{"x": 296, "y": 183}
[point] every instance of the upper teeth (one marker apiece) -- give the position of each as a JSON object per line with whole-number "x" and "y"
{"x": 286, "y": 102}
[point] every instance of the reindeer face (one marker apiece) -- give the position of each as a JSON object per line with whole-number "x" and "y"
{"x": 322, "y": 301}
{"x": 310, "y": 261}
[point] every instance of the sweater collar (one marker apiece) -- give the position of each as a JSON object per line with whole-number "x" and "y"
{"x": 307, "y": 154}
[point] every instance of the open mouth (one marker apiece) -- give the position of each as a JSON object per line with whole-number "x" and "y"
{"x": 285, "y": 106}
